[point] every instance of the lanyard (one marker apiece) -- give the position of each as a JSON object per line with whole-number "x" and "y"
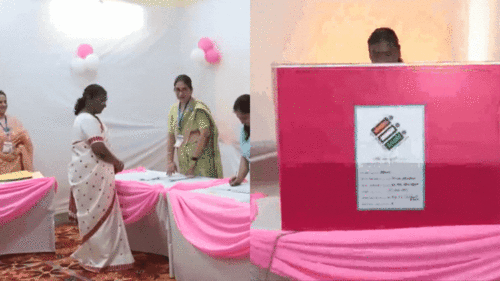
{"x": 6, "y": 128}
{"x": 181, "y": 116}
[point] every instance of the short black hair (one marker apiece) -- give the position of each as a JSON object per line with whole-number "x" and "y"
{"x": 184, "y": 78}
{"x": 384, "y": 34}
{"x": 242, "y": 104}
{"x": 89, "y": 93}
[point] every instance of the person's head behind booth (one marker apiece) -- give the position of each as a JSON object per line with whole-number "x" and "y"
{"x": 383, "y": 46}
{"x": 93, "y": 100}
{"x": 242, "y": 110}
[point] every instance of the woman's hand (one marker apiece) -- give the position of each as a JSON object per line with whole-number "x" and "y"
{"x": 235, "y": 181}
{"x": 190, "y": 171}
{"x": 119, "y": 166}
{"x": 242, "y": 172}
{"x": 17, "y": 139}
{"x": 171, "y": 168}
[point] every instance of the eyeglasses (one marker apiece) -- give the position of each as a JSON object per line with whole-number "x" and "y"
{"x": 184, "y": 90}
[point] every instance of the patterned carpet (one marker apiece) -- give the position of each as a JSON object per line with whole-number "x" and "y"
{"x": 60, "y": 266}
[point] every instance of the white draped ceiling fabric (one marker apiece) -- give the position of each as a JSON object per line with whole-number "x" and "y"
{"x": 142, "y": 46}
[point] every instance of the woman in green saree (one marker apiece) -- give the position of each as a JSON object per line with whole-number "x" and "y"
{"x": 192, "y": 135}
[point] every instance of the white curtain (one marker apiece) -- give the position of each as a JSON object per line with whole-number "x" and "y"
{"x": 137, "y": 70}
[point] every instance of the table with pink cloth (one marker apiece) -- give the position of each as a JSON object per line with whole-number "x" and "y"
{"x": 197, "y": 223}
{"x": 26, "y": 216}
{"x": 470, "y": 252}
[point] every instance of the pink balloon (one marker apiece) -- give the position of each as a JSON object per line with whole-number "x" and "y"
{"x": 205, "y": 44}
{"x": 84, "y": 50}
{"x": 212, "y": 56}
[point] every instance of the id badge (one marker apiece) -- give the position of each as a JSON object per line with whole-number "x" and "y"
{"x": 178, "y": 141}
{"x": 7, "y": 147}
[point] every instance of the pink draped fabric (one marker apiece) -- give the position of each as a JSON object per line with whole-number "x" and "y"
{"x": 253, "y": 205}
{"x": 136, "y": 170}
{"x": 219, "y": 227}
{"x": 427, "y": 253}
{"x": 18, "y": 197}
{"x": 186, "y": 186}
{"x": 137, "y": 199}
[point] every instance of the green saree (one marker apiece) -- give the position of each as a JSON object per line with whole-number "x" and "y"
{"x": 196, "y": 117}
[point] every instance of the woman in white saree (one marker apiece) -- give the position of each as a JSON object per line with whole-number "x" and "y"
{"x": 93, "y": 199}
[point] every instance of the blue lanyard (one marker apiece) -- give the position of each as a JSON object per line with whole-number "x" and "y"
{"x": 6, "y": 128}
{"x": 181, "y": 116}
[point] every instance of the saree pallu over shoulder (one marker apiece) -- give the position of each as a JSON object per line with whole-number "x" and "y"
{"x": 209, "y": 163}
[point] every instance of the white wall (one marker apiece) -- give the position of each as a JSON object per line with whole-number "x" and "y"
{"x": 327, "y": 31}
{"x": 137, "y": 71}
{"x": 228, "y": 24}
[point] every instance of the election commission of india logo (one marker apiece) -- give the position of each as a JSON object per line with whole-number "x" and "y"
{"x": 388, "y": 133}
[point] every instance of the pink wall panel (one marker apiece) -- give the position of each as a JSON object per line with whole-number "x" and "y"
{"x": 315, "y": 109}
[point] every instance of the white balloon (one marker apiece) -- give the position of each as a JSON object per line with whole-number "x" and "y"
{"x": 78, "y": 65}
{"x": 92, "y": 62}
{"x": 198, "y": 55}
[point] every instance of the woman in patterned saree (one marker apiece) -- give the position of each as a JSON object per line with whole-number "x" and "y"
{"x": 93, "y": 199}
{"x": 192, "y": 134}
{"x": 242, "y": 110}
{"x": 16, "y": 153}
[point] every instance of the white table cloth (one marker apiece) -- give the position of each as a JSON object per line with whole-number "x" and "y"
{"x": 32, "y": 232}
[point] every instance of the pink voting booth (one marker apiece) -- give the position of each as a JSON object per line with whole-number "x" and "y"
{"x": 388, "y": 146}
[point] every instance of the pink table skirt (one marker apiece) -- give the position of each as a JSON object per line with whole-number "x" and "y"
{"x": 137, "y": 199}
{"x": 427, "y": 253}
{"x": 18, "y": 197}
{"x": 219, "y": 227}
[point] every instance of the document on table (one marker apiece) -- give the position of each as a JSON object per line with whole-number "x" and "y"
{"x": 390, "y": 157}
{"x": 240, "y": 193}
{"x": 179, "y": 177}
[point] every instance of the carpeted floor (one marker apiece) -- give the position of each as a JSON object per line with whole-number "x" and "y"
{"x": 60, "y": 266}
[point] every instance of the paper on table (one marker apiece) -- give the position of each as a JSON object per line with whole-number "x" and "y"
{"x": 242, "y": 188}
{"x": 179, "y": 177}
{"x": 37, "y": 175}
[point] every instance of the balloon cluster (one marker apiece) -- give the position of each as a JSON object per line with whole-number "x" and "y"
{"x": 206, "y": 51}
{"x": 85, "y": 60}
